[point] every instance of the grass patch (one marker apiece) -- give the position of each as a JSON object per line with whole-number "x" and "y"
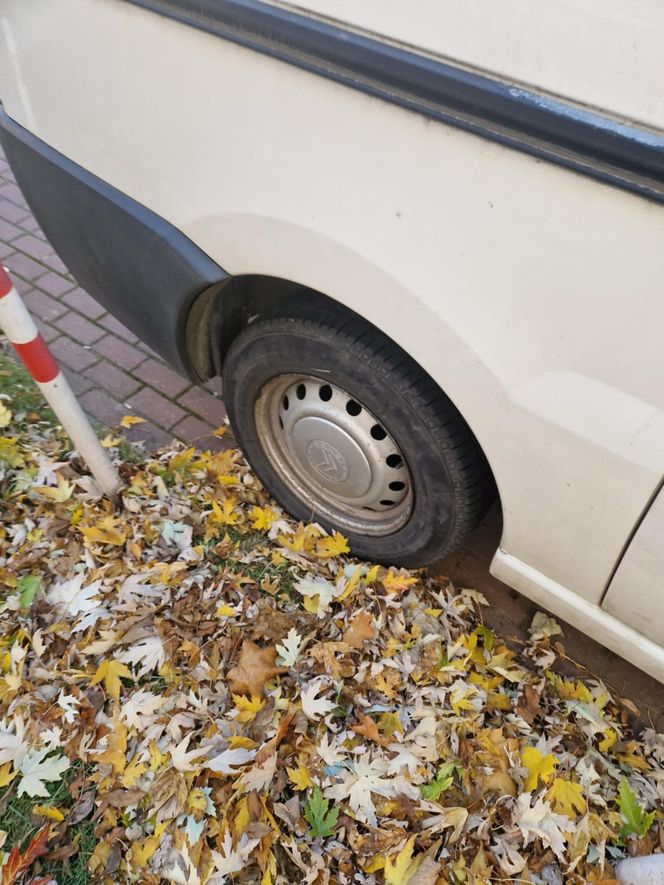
{"x": 20, "y": 824}
{"x": 20, "y": 393}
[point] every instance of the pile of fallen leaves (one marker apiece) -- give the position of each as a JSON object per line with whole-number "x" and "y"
{"x": 229, "y": 697}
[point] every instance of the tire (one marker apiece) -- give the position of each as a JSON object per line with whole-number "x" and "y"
{"x": 446, "y": 478}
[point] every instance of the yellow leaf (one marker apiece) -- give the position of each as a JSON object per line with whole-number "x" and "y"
{"x": 567, "y": 798}
{"x": 97, "y": 862}
{"x": 372, "y": 575}
{"x": 539, "y": 767}
{"x": 142, "y": 851}
{"x": 334, "y": 545}
{"x": 299, "y": 777}
{"x": 247, "y": 707}
{"x": 397, "y": 582}
{"x": 224, "y": 515}
{"x": 110, "y": 440}
{"x": 262, "y": 518}
{"x": 220, "y": 431}
{"x": 116, "y": 747}
{"x": 609, "y": 739}
{"x": 157, "y": 758}
{"x": 109, "y": 672}
{"x": 6, "y": 774}
{"x": 630, "y": 756}
{"x": 239, "y": 740}
{"x": 401, "y": 869}
{"x": 105, "y": 532}
{"x": 5, "y": 415}
{"x": 311, "y": 604}
{"x": 242, "y": 818}
{"x": 48, "y": 811}
{"x": 197, "y": 802}
{"x": 130, "y": 420}
{"x": 133, "y": 772}
{"x": 225, "y": 611}
{"x": 570, "y": 690}
{"x": 63, "y": 492}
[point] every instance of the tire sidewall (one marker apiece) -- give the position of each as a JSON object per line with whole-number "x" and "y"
{"x": 255, "y": 358}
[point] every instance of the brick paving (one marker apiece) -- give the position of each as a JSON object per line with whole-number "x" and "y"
{"x": 112, "y": 372}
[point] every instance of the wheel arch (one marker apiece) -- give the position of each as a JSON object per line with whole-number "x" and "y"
{"x": 223, "y": 311}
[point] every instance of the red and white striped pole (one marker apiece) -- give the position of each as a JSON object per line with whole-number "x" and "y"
{"x": 19, "y": 327}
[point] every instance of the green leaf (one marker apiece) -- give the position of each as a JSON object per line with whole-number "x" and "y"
{"x": 27, "y": 588}
{"x": 443, "y": 781}
{"x": 636, "y": 821}
{"x": 321, "y": 818}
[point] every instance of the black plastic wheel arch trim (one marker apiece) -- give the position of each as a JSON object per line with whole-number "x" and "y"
{"x": 590, "y": 142}
{"x": 139, "y": 266}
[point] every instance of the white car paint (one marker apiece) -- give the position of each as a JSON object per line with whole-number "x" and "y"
{"x": 530, "y": 293}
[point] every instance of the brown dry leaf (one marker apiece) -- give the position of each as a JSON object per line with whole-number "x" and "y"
{"x": 253, "y": 669}
{"x": 368, "y": 729}
{"x": 361, "y": 628}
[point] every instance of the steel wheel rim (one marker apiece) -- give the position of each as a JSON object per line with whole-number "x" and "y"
{"x": 335, "y": 454}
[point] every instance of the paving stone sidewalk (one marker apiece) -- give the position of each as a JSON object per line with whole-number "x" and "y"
{"x": 111, "y": 371}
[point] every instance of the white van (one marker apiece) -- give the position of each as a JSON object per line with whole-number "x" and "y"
{"x": 424, "y": 242}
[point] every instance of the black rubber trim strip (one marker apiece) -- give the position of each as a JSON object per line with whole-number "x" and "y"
{"x": 604, "y": 148}
{"x": 135, "y": 263}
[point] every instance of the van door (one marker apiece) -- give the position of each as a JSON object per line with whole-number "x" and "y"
{"x": 636, "y": 593}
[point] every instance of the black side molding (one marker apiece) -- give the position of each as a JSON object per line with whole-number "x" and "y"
{"x": 578, "y": 138}
{"x": 139, "y": 266}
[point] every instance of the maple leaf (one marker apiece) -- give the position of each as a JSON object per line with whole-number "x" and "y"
{"x": 149, "y": 652}
{"x": 18, "y": 862}
{"x": 184, "y": 871}
{"x": 321, "y": 818}
{"x": 72, "y": 598}
{"x": 567, "y": 798}
{"x": 313, "y": 706}
{"x": 139, "y": 709}
{"x": 443, "y": 781}
{"x": 105, "y": 532}
{"x": 255, "y": 666}
{"x": 113, "y": 753}
{"x": 129, "y": 421}
{"x": 540, "y": 822}
{"x": 538, "y": 766}
{"x": 68, "y": 703}
{"x": 635, "y": 821}
{"x": 319, "y": 591}
{"x": 231, "y": 860}
{"x": 36, "y": 770}
{"x": 289, "y": 649}
{"x": 262, "y": 518}
{"x": 360, "y": 629}
{"x": 333, "y": 545}
{"x": 402, "y": 868}
{"x": 224, "y": 515}
{"x": 109, "y": 672}
{"x": 299, "y": 778}
{"x": 186, "y": 761}
{"x": 13, "y": 745}
{"x": 228, "y": 761}
{"x": 247, "y": 708}
{"x": 62, "y": 492}
{"x": 364, "y": 777}
{"x": 368, "y": 728}
{"x": 398, "y": 581}
{"x": 258, "y": 777}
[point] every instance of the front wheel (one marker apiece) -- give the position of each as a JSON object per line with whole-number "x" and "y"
{"x": 344, "y": 429}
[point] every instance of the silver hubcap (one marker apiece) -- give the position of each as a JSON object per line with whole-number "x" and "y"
{"x": 335, "y": 454}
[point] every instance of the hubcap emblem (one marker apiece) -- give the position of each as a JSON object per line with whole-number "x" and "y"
{"x": 327, "y": 461}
